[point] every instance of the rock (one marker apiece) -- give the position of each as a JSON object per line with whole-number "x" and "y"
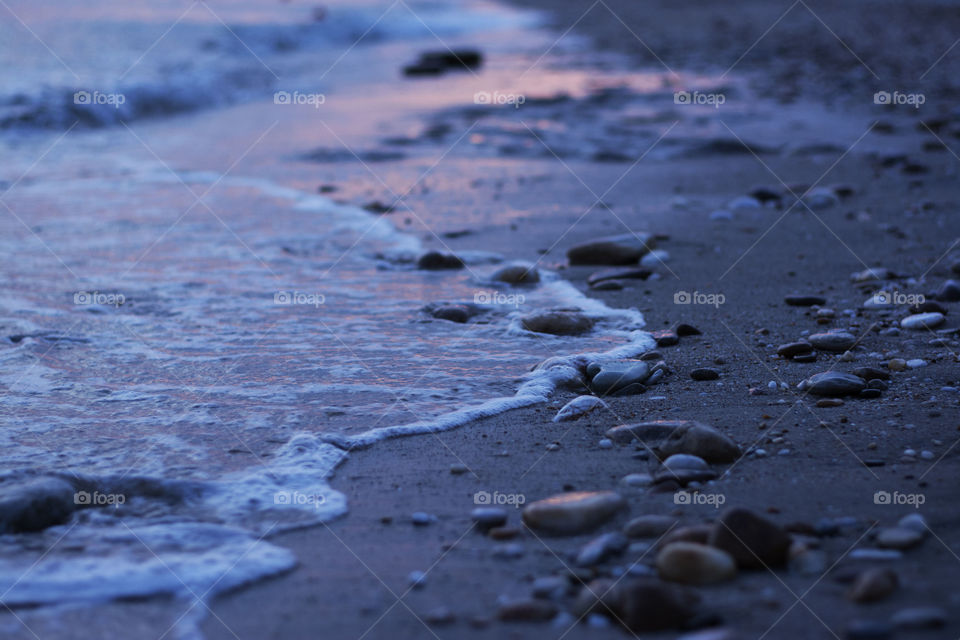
{"x": 833, "y": 383}
{"x": 804, "y": 300}
{"x": 697, "y": 533}
{"x": 871, "y": 373}
{"x": 897, "y": 364}
{"x": 437, "y": 62}
{"x": 488, "y": 517}
{"x": 868, "y": 630}
{"x": 666, "y": 338}
{"x": 619, "y": 273}
{"x": 701, "y": 440}
{"x": 752, "y": 540}
{"x": 821, "y": 198}
{"x": 655, "y": 257}
{"x": 873, "y": 273}
{"x": 827, "y": 403}
{"x": 614, "y": 377}
{"x": 872, "y": 585}
{"x": 453, "y": 313}
{"x": 899, "y": 538}
{"x": 805, "y": 358}
{"x": 833, "y": 341}
{"x": 766, "y": 194}
{"x": 637, "y": 480}
{"x": 916, "y": 363}
{"x": 704, "y": 374}
{"x": 614, "y": 250}
{"x": 649, "y": 526}
{"x": 509, "y": 551}
{"x": 579, "y": 407}
{"x": 640, "y": 605}
{"x": 808, "y": 562}
{"x": 561, "y": 323}
{"x": 684, "y": 330}
{"x": 683, "y": 477}
{"x": 529, "y": 610}
{"x": 721, "y": 214}
{"x": 680, "y": 461}
{"x": 793, "y": 349}
{"x": 916, "y": 618}
{"x": 550, "y": 587}
{"x": 949, "y": 291}
{"x": 416, "y": 579}
{"x": 518, "y": 273}
{"x": 922, "y": 321}
{"x": 692, "y": 563}
{"x": 435, "y": 260}
{"x": 743, "y": 202}
{"x": 36, "y": 504}
{"x": 571, "y": 513}
{"x": 599, "y": 549}
{"x": 608, "y": 285}
{"x": 458, "y": 468}
{"x": 422, "y": 519}
{"x": 915, "y": 522}
{"x": 870, "y": 394}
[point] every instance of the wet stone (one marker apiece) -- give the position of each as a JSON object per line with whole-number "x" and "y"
{"x": 436, "y": 260}
{"x": 557, "y": 323}
{"x": 571, "y": 513}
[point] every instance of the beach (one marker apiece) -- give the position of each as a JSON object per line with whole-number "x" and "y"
{"x": 780, "y": 197}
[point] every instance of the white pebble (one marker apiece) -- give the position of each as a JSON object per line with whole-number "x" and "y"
{"x": 605, "y": 443}
{"x": 416, "y": 579}
{"x": 909, "y": 452}
{"x": 926, "y": 455}
{"x": 772, "y": 385}
{"x": 916, "y": 363}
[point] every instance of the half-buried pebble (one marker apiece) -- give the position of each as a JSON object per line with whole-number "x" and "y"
{"x": 436, "y": 260}
{"x": 571, "y": 513}
{"x": 488, "y": 517}
{"x": 679, "y": 461}
{"x": 614, "y": 377}
{"x": 613, "y": 250}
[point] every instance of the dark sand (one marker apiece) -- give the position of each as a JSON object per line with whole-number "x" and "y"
{"x": 352, "y": 582}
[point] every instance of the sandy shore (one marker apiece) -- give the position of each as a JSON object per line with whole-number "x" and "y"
{"x": 819, "y": 462}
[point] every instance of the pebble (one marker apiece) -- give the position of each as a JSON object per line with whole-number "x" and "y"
{"x": 35, "y": 504}
{"x": 452, "y": 313}
{"x": 899, "y": 538}
{"x": 637, "y": 480}
{"x": 529, "y": 610}
{"x": 563, "y": 323}
{"x": 721, "y": 214}
{"x": 704, "y": 374}
{"x": 949, "y": 291}
{"x": 684, "y": 329}
{"x": 422, "y": 519}
{"x": 605, "y": 443}
{"x": 752, "y": 540}
{"x": 680, "y": 461}
{"x": 614, "y": 250}
{"x": 579, "y": 407}
{"x": 793, "y": 349}
{"x": 575, "y": 512}
{"x": 897, "y": 364}
{"x": 919, "y": 618}
{"x": 871, "y": 373}
{"x": 743, "y": 202}
{"x": 436, "y": 260}
{"x": 615, "y": 377}
{"x": 608, "y": 285}
{"x": 517, "y": 273}
{"x": 809, "y": 562}
{"x": 833, "y": 341}
{"x": 649, "y": 526}
{"x": 804, "y": 300}
{"x": 821, "y": 198}
{"x": 599, "y": 549}
{"x": 679, "y": 436}
{"x": 458, "y": 468}
{"x": 873, "y": 584}
{"x": 922, "y": 321}
{"x": 915, "y": 522}
{"x": 489, "y": 517}
{"x": 870, "y": 394}
{"x": 417, "y": 579}
{"x": 692, "y": 563}
{"x": 549, "y": 587}
{"x": 916, "y": 363}
{"x": 439, "y": 617}
{"x": 639, "y": 604}
{"x": 875, "y": 554}
{"x": 655, "y": 257}
{"x": 832, "y": 383}
{"x": 826, "y": 403}
{"x": 666, "y": 338}
{"x": 873, "y": 273}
